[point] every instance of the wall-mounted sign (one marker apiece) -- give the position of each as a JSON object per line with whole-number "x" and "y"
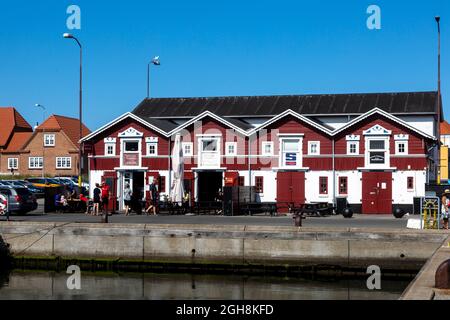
{"x": 291, "y": 159}
{"x": 131, "y": 159}
{"x": 377, "y": 157}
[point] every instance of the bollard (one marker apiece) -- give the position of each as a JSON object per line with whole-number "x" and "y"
{"x": 442, "y": 278}
{"x": 298, "y": 217}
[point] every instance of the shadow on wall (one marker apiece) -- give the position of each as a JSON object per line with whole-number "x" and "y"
{"x": 5, "y": 262}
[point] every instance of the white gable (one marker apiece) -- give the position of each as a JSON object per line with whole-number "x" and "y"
{"x": 377, "y": 130}
{"x": 131, "y": 133}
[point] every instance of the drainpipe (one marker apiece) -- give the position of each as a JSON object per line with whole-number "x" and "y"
{"x": 334, "y": 174}
{"x": 249, "y": 168}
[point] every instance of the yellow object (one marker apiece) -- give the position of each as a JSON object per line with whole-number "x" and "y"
{"x": 430, "y": 214}
{"x": 443, "y": 174}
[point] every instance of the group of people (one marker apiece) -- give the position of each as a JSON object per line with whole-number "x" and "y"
{"x": 62, "y": 198}
{"x": 100, "y": 200}
{"x": 153, "y": 201}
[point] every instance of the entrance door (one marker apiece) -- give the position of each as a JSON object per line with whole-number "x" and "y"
{"x": 209, "y": 184}
{"x": 377, "y": 193}
{"x": 290, "y": 189}
{"x": 110, "y": 178}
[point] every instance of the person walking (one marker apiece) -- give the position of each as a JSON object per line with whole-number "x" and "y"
{"x": 97, "y": 193}
{"x": 445, "y": 202}
{"x": 105, "y": 198}
{"x": 153, "y": 198}
{"x": 127, "y": 198}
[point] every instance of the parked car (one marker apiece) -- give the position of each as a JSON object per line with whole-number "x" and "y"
{"x": 20, "y": 200}
{"x": 43, "y": 182}
{"x": 28, "y": 185}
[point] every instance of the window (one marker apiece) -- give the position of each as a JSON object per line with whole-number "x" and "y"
{"x": 63, "y": 163}
{"x": 49, "y": 140}
{"x": 35, "y": 162}
{"x": 291, "y": 153}
{"x": 13, "y": 163}
{"x": 188, "y": 149}
{"x": 313, "y": 147}
{"x": 267, "y": 148}
{"x": 343, "y": 186}
{"x": 230, "y": 148}
{"x": 401, "y": 147}
{"x": 259, "y": 184}
{"x": 209, "y": 145}
{"x": 377, "y": 151}
{"x": 352, "y": 147}
{"x": 110, "y": 149}
{"x": 241, "y": 181}
{"x": 323, "y": 185}
{"x": 131, "y": 146}
{"x": 152, "y": 149}
{"x": 410, "y": 183}
{"x": 162, "y": 184}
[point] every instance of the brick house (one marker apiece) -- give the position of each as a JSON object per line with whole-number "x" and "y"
{"x": 14, "y": 132}
{"x": 52, "y": 148}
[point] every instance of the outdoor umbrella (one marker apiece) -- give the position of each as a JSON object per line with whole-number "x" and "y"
{"x": 177, "y": 191}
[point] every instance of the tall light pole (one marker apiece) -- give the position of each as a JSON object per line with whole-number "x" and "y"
{"x": 155, "y": 61}
{"x": 438, "y": 19}
{"x": 37, "y": 105}
{"x": 80, "y": 153}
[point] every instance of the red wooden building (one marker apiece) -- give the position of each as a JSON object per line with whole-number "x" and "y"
{"x": 375, "y": 149}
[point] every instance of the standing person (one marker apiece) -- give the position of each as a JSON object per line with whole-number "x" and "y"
{"x": 97, "y": 193}
{"x": 105, "y": 198}
{"x": 445, "y": 208}
{"x": 127, "y": 198}
{"x": 153, "y": 198}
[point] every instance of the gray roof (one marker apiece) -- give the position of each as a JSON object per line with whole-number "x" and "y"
{"x": 269, "y": 106}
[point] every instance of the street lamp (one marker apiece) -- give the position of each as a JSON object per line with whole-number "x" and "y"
{"x": 155, "y": 61}
{"x": 80, "y": 153}
{"x": 438, "y": 19}
{"x": 37, "y": 105}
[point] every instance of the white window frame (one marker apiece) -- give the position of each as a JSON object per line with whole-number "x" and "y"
{"x": 16, "y": 163}
{"x": 264, "y": 145}
{"x": 349, "y": 148}
{"x": 64, "y": 160}
{"x": 299, "y": 153}
{"x": 110, "y": 142}
{"x": 34, "y": 160}
{"x": 149, "y": 144}
{"x": 228, "y": 145}
{"x": 401, "y": 139}
{"x": 217, "y": 153}
{"x": 191, "y": 147}
{"x": 310, "y": 144}
{"x": 386, "y": 151}
{"x": 123, "y": 141}
{"x": 51, "y": 142}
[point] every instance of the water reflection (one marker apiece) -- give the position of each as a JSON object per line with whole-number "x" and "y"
{"x": 51, "y": 285}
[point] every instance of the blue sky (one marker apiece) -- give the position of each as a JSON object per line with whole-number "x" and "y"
{"x": 214, "y": 48}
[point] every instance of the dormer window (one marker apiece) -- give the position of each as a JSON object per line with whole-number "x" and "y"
{"x": 353, "y": 145}
{"x": 110, "y": 146}
{"x": 401, "y": 144}
{"x": 152, "y": 146}
{"x": 314, "y": 148}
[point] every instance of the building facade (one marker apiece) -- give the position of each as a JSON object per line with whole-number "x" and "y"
{"x": 374, "y": 149}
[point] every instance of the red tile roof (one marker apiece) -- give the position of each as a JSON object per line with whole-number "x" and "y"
{"x": 17, "y": 141}
{"x": 10, "y": 121}
{"x": 445, "y": 127}
{"x": 70, "y": 126}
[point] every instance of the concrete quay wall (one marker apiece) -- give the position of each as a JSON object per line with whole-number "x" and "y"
{"x": 225, "y": 244}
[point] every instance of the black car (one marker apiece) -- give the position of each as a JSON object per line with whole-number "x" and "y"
{"x": 20, "y": 200}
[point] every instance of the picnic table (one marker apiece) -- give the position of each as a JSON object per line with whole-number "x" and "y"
{"x": 318, "y": 209}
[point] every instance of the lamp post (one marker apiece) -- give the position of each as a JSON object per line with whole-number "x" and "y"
{"x": 37, "y": 105}
{"x": 80, "y": 153}
{"x": 438, "y": 19}
{"x": 155, "y": 61}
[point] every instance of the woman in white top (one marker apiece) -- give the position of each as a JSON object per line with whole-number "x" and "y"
{"x": 127, "y": 198}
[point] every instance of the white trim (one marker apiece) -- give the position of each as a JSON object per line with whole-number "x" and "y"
{"x": 263, "y": 148}
{"x": 131, "y": 133}
{"x": 117, "y": 120}
{"x": 139, "y": 152}
{"x": 217, "y": 153}
{"x": 385, "y": 114}
{"x": 349, "y": 143}
{"x": 68, "y": 162}
{"x": 183, "y": 146}
{"x": 397, "y": 147}
{"x": 317, "y": 153}
{"x": 352, "y": 137}
{"x": 299, "y": 153}
{"x": 110, "y": 140}
{"x": 386, "y": 150}
{"x": 227, "y": 145}
{"x": 209, "y": 135}
{"x": 290, "y": 135}
{"x": 147, "y": 149}
{"x": 377, "y": 130}
{"x": 16, "y": 167}
{"x": 151, "y": 140}
{"x": 52, "y": 141}
{"x": 110, "y": 144}
{"x": 294, "y": 114}
{"x": 401, "y": 137}
{"x": 35, "y": 160}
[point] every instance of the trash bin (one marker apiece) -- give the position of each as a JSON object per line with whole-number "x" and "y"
{"x": 341, "y": 204}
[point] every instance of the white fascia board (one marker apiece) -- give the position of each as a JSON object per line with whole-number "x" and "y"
{"x": 117, "y": 120}
{"x": 385, "y": 114}
{"x": 296, "y": 115}
{"x": 203, "y": 115}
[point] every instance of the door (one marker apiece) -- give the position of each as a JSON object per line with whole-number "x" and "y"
{"x": 110, "y": 179}
{"x": 377, "y": 193}
{"x": 290, "y": 189}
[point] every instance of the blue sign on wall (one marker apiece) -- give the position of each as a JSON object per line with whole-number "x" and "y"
{"x": 291, "y": 159}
